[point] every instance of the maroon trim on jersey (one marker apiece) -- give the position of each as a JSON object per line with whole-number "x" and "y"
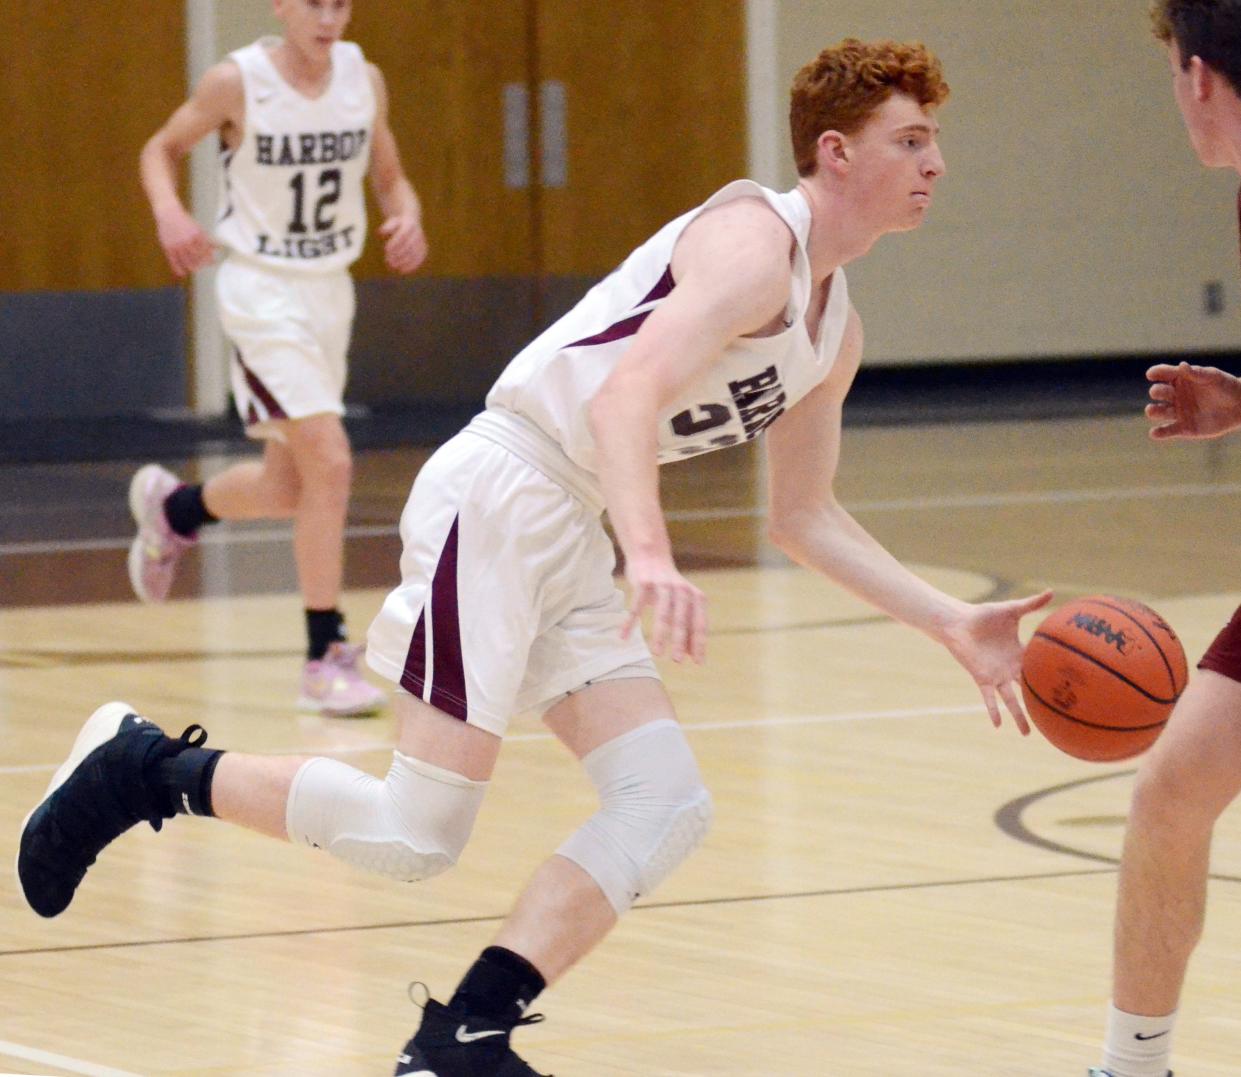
{"x": 624, "y": 328}
{"x": 663, "y": 286}
{"x": 274, "y": 410}
{"x": 448, "y": 692}
{"x": 627, "y": 327}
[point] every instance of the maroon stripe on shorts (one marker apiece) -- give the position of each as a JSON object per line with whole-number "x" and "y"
{"x": 413, "y": 676}
{"x": 1224, "y": 654}
{"x": 448, "y": 681}
{"x": 274, "y": 410}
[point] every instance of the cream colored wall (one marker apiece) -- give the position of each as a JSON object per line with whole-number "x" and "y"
{"x": 238, "y": 22}
{"x": 1074, "y": 218}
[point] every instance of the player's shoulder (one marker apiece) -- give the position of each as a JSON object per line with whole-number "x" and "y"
{"x": 745, "y": 222}
{"x": 748, "y": 210}
{"x": 222, "y": 78}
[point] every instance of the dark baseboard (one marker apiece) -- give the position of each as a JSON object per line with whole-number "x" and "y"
{"x": 953, "y": 392}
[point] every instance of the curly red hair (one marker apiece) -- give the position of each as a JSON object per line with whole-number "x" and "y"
{"x": 840, "y": 89}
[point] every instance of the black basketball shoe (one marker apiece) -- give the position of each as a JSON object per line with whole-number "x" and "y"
{"x": 99, "y": 792}
{"x": 452, "y": 1044}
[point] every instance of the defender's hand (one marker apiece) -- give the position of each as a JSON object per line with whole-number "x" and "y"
{"x": 1192, "y": 401}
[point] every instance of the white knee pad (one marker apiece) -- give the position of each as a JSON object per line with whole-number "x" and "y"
{"x": 655, "y": 812}
{"x": 410, "y": 826}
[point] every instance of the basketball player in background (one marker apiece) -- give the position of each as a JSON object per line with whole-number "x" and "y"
{"x": 1193, "y": 772}
{"x": 301, "y": 120}
{"x": 732, "y": 320}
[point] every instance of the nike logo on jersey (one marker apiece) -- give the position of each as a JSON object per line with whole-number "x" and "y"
{"x": 1154, "y": 1036}
{"x": 470, "y": 1037}
{"x": 262, "y": 98}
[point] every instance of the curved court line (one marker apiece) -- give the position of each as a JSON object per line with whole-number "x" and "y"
{"x": 47, "y": 1058}
{"x": 1009, "y": 819}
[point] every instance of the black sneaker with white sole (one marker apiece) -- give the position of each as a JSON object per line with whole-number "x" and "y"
{"x": 105, "y": 787}
{"x": 452, "y": 1044}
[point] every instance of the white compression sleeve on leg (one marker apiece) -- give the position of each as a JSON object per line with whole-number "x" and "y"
{"x": 654, "y": 812}
{"x": 410, "y": 826}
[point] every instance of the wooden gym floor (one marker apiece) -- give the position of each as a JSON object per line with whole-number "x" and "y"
{"x": 891, "y": 888}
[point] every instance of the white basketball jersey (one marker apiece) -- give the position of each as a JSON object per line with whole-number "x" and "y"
{"x": 291, "y": 193}
{"x": 756, "y": 380}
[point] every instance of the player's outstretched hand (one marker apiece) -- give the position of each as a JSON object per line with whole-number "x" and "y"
{"x": 678, "y": 610}
{"x": 1190, "y": 401}
{"x": 405, "y": 248}
{"x": 186, "y": 246}
{"x": 985, "y": 642}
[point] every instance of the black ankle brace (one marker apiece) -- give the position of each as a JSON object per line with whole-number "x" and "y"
{"x": 185, "y": 780}
{"x": 186, "y": 512}
{"x": 500, "y": 984}
{"x": 323, "y": 628}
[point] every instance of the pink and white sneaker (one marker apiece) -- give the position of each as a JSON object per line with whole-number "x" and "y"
{"x": 333, "y": 685}
{"x": 156, "y": 548}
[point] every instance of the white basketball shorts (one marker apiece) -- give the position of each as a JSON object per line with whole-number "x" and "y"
{"x": 289, "y": 334}
{"x": 506, "y": 600}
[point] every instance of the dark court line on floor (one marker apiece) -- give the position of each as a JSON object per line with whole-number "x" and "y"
{"x": 459, "y": 921}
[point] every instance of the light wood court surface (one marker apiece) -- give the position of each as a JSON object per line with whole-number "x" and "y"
{"x": 891, "y": 888}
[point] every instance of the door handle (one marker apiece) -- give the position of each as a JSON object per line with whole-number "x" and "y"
{"x": 554, "y": 136}
{"x": 516, "y": 108}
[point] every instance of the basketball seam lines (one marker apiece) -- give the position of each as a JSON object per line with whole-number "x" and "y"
{"x": 1119, "y": 676}
{"x": 1121, "y": 610}
{"x": 1091, "y": 725}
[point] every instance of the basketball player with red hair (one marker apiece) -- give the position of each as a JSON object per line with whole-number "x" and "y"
{"x": 731, "y": 321}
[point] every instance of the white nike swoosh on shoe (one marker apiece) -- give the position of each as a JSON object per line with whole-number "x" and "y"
{"x": 470, "y": 1037}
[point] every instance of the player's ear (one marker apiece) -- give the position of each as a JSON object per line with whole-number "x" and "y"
{"x": 834, "y": 151}
{"x": 1201, "y": 79}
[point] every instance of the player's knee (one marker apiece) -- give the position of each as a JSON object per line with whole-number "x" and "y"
{"x": 327, "y": 466}
{"x": 411, "y": 826}
{"x": 396, "y": 858}
{"x": 654, "y": 812}
{"x": 281, "y": 497}
{"x": 1170, "y": 797}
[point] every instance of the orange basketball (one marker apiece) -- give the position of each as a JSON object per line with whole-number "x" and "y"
{"x": 1100, "y": 677}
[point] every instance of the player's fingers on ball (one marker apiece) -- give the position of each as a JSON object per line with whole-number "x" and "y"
{"x": 988, "y": 698}
{"x": 1014, "y": 708}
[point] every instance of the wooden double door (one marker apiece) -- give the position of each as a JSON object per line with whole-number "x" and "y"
{"x": 546, "y": 139}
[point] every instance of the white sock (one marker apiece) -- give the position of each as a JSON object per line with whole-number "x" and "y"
{"x": 1137, "y": 1046}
